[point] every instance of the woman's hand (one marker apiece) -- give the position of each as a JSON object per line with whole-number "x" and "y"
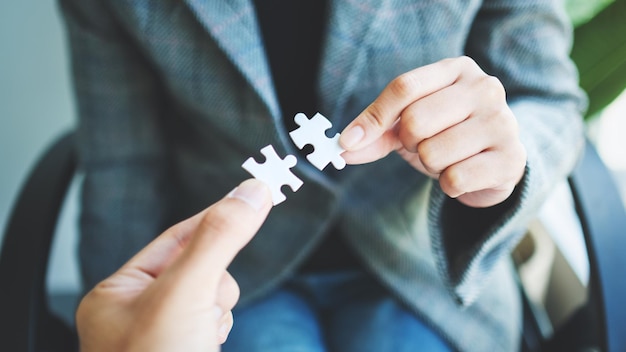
{"x": 176, "y": 295}
{"x": 449, "y": 120}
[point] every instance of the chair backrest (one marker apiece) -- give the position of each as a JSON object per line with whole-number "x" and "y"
{"x": 598, "y": 325}
{"x": 26, "y": 323}
{"x": 602, "y": 215}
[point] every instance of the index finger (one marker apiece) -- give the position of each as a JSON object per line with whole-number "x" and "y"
{"x": 405, "y": 89}
{"x": 225, "y": 228}
{"x": 215, "y": 234}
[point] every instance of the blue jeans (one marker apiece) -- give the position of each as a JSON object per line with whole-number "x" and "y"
{"x": 345, "y": 311}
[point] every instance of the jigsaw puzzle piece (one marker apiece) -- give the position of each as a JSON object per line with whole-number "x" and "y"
{"x": 325, "y": 150}
{"x": 328, "y": 152}
{"x": 275, "y": 172}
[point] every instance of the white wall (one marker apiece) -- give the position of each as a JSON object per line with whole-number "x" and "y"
{"x": 35, "y": 107}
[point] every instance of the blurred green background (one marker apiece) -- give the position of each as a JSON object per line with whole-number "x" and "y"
{"x": 581, "y": 11}
{"x": 600, "y": 49}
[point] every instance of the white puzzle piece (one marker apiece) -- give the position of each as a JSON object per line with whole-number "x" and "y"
{"x": 313, "y": 131}
{"x": 275, "y": 172}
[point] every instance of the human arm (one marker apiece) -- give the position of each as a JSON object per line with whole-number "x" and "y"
{"x": 121, "y": 146}
{"x": 449, "y": 120}
{"x": 525, "y": 45}
{"x": 176, "y": 295}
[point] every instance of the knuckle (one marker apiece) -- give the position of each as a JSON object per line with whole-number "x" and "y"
{"x": 462, "y": 64}
{"x": 404, "y": 84}
{"x": 452, "y": 181}
{"x": 231, "y": 291}
{"x": 518, "y": 157}
{"x": 505, "y": 123}
{"x": 217, "y": 220}
{"x": 492, "y": 89}
{"x": 509, "y": 123}
{"x": 466, "y": 61}
{"x": 428, "y": 157}
{"x": 373, "y": 116}
{"x": 414, "y": 128}
{"x": 523, "y": 154}
{"x": 236, "y": 293}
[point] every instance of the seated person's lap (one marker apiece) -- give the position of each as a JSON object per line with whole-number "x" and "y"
{"x": 345, "y": 311}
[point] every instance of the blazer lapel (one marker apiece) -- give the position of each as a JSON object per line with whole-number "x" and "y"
{"x": 232, "y": 23}
{"x": 344, "y": 53}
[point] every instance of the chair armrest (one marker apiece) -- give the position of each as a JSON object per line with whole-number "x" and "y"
{"x": 23, "y": 310}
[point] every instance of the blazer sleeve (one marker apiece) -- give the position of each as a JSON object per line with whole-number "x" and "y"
{"x": 526, "y": 45}
{"x": 121, "y": 145}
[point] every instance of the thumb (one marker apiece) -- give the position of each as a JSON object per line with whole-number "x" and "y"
{"x": 381, "y": 115}
{"x": 385, "y": 110}
{"x": 221, "y": 232}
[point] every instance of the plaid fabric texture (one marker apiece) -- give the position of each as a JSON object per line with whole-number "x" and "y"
{"x": 174, "y": 95}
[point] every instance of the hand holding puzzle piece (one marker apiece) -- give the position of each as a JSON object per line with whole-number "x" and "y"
{"x": 313, "y": 131}
{"x": 275, "y": 172}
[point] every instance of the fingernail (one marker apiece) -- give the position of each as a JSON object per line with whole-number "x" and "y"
{"x": 351, "y": 137}
{"x": 253, "y": 192}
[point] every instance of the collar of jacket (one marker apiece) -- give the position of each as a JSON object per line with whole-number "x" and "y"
{"x": 233, "y": 25}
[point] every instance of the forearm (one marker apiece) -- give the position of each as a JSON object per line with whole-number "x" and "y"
{"x": 526, "y": 46}
{"x": 120, "y": 140}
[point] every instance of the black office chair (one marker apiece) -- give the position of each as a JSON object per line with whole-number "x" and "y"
{"x": 27, "y": 324}
{"x": 600, "y": 323}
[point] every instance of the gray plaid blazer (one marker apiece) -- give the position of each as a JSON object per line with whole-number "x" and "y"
{"x": 174, "y": 95}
